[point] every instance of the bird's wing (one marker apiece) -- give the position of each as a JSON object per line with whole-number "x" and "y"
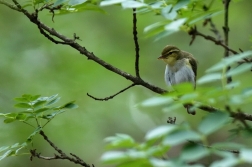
{"x": 194, "y": 66}
{"x": 192, "y": 61}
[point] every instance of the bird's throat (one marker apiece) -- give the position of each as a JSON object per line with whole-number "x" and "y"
{"x": 170, "y": 61}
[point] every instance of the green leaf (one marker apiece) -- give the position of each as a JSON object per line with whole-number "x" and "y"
{"x": 189, "y": 97}
{"x": 21, "y": 99}
{"x": 52, "y": 115}
{"x": 226, "y": 162}
{"x": 161, "y": 163}
{"x": 229, "y": 61}
{"x": 3, "y": 148}
{"x": 41, "y": 110}
{"x": 204, "y": 15}
{"x": 22, "y": 105}
{"x": 209, "y": 78}
{"x": 180, "y": 4}
{"x": 155, "y": 26}
{"x": 21, "y": 117}
{"x": 182, "y": 88}
{"x": 175, "y": 25}
{"x": 39, "y": 103}
{"x": 27, "y": 96}
{"x": 35, "y": 97}
{"x": 132, "y": 4}
{"x": 69, "y": 105}
{"x": 228, "y": 145}
{"x": 155, "y": 101}
{"x": 120, "y": 141}
{"x": 168, "y": 13}
{"x": 9, "y": 120}
{"x": 180, "y": 136}
{"x": 232, "y": 85}
{"x": 113, "y": 157}
{"x": 193, "y": 152}
{"x": 213, "y": 122}
{"x": 172, "y": 107}
{"x": 39, "y": 1}
{"x": 160, "y": 132}
{"x": 246, "y": 154}
{"x": 30, "y": 138}
{"x": 111, "y": 2}
{"x": 11, "y": 115}
{"x": 239, "y": 70}
{"x": 52, "y": 101}
{"x": 59, "y": 2}
{"x": 76, "y": 2}
{"x": 7, "y": 154}
{"x": 157, "y": 150}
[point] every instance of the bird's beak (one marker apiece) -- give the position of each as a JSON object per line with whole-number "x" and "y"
{"x": 160, "y": 57}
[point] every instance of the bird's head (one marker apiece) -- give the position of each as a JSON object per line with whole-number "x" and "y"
{"x": 170, "y": 54}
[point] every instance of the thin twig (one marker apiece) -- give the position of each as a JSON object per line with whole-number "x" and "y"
{"x": 61, "y": 155}
{"x": 215, "y": 148}
{"x": 213, "y": 29}
{"x": 51, "y": 143}
{"x": 10, "y": 5}
{"x": 226, "y": 30}
{"x": 194, "y": 32}
{"x": 136, "y": 43}
{"x": 112, "y": 96}
{"x": 212, "y": 25}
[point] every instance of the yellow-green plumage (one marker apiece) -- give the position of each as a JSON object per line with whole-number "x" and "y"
{"x": 181, "y": 66}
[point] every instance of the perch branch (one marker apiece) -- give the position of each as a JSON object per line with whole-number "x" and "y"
{"x": 112, "y": 96}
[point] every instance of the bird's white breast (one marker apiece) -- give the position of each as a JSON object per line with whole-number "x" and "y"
{"x": 180, "y": 72}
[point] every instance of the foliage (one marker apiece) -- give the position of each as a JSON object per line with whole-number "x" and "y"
{"x": 37, "y": 112}
{"x": 229, "y": 99}
{"x": 152, "y": 151}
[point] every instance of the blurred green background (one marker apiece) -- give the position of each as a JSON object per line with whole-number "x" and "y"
{"x": 32, "y": 64}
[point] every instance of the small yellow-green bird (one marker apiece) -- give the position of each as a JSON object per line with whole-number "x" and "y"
{"x": 181, "y": 67}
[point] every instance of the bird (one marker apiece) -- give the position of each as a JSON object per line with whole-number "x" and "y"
{"x": 181, "y": 67}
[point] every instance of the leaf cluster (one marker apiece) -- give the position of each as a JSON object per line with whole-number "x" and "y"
{"x": 123, "y": 150}
{"x": 37, "y": 112}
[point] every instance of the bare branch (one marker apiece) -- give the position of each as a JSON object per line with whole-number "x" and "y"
{"x": 215, "y": 148}
{"x": 61, "y": 155}
{"x": 194, "y": 32}
{"x": 9, "y": 5}
{"x": 136, "y": 43}
{"x": 212, "y": 25}
{"x": 112, "y": 96}
{"x": 226, "y": 30}
{"x": 213, "y": 29}
{"x": 236, "y": 115}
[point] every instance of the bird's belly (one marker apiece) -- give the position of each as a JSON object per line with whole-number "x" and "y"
{"x": 184, "y": 74}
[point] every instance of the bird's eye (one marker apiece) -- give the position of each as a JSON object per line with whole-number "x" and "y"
{"x": 169, "y": 53}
